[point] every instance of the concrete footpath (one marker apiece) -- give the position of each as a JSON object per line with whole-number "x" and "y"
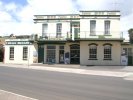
{"x": 114, "y": 71}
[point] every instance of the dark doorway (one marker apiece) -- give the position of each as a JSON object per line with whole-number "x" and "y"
{"x": 75, "y": 54}
{"x": 130, "y": 60}
{"x": 1, "y": 53}
{"x": 61, "y": 54}
{"x": 40, "y": 53}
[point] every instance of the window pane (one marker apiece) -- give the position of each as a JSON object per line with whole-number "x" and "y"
{"x": 50, "y": 47}
{"x": 58, "y": 29}
{"x": 125, "y": 51}
{"x": 44, "y": 29}
{"x": 107, "y": 52}
{"x": 129, "y": 51}
{"x": 107, "y": 27}
{"x": 61, "y": 47}
{"x": 51, "y": 50}
{"x": 92, "y": 27}
{"x": 25, "y": 53}
{"x": 93, "y": 52}
{"x": 11, "y": 53}
{"x": 74, "y": 47}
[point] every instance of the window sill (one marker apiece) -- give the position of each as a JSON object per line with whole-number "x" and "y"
{"x": 92, "y": 59}
{"x": 11, "y": 59}
{"x": 24, "y": 59}
{"x": 93, "y": 35}
{"x": 107, "y": 35}
{"x": 107, "y": 59}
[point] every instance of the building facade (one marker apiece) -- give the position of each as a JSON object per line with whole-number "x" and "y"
{"x": 20, "y": 51}
{"x": 127, "y": 51}
{"x": 87, "y": 38}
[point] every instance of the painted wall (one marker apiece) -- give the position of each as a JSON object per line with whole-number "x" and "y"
{"x": 84, "y": 53}
{"x": 18, "y": 54}
{"x": 85, "y": 28}
{"x": 52, "y": 28}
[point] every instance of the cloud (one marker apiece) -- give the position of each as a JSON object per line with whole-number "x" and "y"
{"x": 5, "y": 17}
{"x": 10, "y": 7}
{"x": 18, "y": 19}
{"x": 91, "y": 4}
{"x": 51, "y": 6}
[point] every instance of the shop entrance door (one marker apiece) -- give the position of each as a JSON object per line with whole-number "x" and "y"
{"x": 40, "y": 53}
{"x": 75, "y": 54}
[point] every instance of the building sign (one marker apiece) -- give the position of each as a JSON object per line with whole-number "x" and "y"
{"x": 124, "y": 60}
{"x": 18, "y": 43}
{"x": 100, "y": 13}
{"x": 58, "y": 17}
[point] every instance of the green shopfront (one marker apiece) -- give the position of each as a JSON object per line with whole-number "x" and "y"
{"x": 58, "y": 52}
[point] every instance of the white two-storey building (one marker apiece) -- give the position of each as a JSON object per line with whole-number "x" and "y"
{"x": 87, "y": 38}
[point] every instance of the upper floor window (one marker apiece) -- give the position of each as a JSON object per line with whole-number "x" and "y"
{"x": 58, "y": 29}
{"x": 44, "y": 29}
{"x": 107, "y": 27}
{"x": 107, "y": 52}
{"x": 25, "y": 53}
{"x": 11, "y": 54}
{"x": 92, "y": 27}
{"x": 93, "y": 52}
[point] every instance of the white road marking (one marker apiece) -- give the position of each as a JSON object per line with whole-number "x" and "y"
{"x": 14, "y": 94}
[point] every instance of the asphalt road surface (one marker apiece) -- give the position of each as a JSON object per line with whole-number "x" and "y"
{"x": 49, "y": 85}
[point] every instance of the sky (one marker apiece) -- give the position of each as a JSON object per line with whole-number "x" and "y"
{"x": 16, "y": 16}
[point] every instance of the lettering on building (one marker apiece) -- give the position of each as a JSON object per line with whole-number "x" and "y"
{"x": 18, "y": 43}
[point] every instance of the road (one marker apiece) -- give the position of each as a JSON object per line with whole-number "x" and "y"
{"x": 50, "y": 85}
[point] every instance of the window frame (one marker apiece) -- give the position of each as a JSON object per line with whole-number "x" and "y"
{"x": 58, "y": 29}
{"x": 92, "y": 52}
{"x": 11, "y": 53}
{"x": 25, "y": 53}
{"x": 92, "y": 27}
{"x": 107, "y": 52}
{"x": 44, "y": 30}
{"x": 107, "y": 27}
{"x": 51, "y": 53}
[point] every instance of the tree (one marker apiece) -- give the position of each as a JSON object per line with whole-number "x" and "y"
{"x": 130, "y": 32}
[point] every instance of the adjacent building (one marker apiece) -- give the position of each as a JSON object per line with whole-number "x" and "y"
{"x": 127, "y": 50}
{"x": 20, "y": 51}
{"x": 2, "y": 43}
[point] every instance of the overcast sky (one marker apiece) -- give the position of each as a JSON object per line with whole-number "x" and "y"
{"x": 16, "y": 16}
